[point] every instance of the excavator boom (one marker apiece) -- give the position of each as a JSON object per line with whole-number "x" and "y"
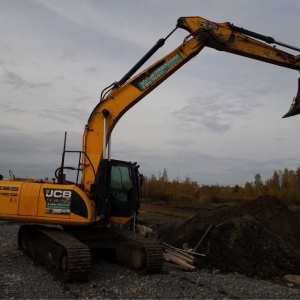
{"x": 127, "y": 92}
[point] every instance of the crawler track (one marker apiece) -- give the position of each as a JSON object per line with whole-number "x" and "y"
{"x": 66, "y": 253}
{"x": 138, "y": 252}
{"x": 62, "y": 254}
{"x": 133, "y": 250}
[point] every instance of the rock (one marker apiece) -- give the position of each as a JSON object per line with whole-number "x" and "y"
{"x": 216, "y": 271}
{"x": 293, "y": 278}
{"x": 143, "y": 230}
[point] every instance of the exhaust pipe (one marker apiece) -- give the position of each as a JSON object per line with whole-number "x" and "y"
{"x": 295, "y": 107}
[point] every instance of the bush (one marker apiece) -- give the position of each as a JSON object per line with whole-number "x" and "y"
{"x": 204, "y": 201}
{"x": 290, "y": 197}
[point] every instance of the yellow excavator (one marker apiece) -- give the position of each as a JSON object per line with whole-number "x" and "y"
{"x": 66, "y": 220}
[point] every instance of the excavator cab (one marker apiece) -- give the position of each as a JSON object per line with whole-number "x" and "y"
{"x": 124, "y": 189}
{"x": 295, "y": 107}
{"x": 117, "y": 193}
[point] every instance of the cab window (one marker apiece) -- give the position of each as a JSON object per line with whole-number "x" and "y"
{"x": 121, "y": 183}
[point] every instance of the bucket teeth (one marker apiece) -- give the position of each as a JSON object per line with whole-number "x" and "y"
{"x": 295, "y": 107}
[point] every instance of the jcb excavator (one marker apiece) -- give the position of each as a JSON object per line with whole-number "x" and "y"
{"x": 71, "y": 218}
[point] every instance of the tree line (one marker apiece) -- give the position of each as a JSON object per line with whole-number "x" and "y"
{"x": 284, "y": 185}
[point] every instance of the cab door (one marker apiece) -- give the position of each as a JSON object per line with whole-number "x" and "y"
{"x": 123, "y": 189}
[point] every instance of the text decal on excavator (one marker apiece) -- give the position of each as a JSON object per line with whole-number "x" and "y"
{"x": 209, "y": 26}
{"x": 159, "y": 72}
{"x": 58, "y": 201}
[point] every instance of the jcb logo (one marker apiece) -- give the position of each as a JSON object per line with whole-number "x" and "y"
{"x": 58, "y": 193}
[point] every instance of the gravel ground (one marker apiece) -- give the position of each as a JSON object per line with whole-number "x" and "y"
{"x": 110, "y": 281}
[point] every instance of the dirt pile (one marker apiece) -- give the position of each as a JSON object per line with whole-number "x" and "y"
{"x": 256, "y": 238}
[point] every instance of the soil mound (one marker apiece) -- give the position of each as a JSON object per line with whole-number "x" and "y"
{"x": 256, "y": 238}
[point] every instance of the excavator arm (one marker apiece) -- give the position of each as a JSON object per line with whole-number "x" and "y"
{"x": 236, "y": 40}
{"x": 127, "y": 92}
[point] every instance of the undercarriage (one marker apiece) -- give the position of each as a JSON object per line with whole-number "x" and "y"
{"x": 67, "y": 252}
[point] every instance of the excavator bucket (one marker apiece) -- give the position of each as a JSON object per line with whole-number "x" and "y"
{"x": 295, "y": 107}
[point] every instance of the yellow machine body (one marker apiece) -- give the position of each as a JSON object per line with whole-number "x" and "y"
{"x": 45, "y": 203}
{"x": 49, "y": 203}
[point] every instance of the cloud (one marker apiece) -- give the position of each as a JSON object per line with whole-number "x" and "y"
{"x": 18, "y": 82}
{"x": 215, "y": 108}
{"x": 64, "y": 115}
{"x": 200, "y": 166}
{"x": 7, "y": 107}
{"x": 33, "y": 154}
{"x": 96, "y": 17}
{"x": 91, "y": 70}
{"x": 69, "y": 111}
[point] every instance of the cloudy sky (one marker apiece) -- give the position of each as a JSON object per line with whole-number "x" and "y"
{"x": 216, "y": 120}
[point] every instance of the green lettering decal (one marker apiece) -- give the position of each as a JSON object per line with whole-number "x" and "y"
{"x": 159, "y": 72}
